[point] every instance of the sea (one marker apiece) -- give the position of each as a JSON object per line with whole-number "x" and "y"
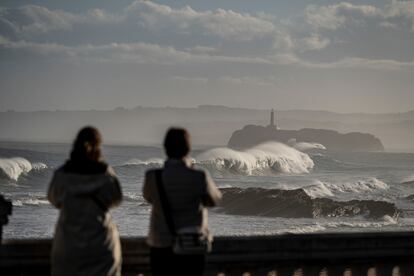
{"x": 269, "y": 189}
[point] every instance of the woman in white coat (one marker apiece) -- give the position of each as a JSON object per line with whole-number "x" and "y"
{"x": 86, "y": 241}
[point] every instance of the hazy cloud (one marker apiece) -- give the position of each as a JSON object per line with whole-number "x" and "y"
{"x": 29, "y": 21}
{"x": 196, "y": 80}
{"x": 226, "y": 24}
{"x": 335, "y": 16}
{"x": 140, "y": 53}
{"x": 232, "y": 36}
{"x": 251, "y": 81}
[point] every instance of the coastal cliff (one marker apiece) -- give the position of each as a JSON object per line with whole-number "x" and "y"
{"x": 252, "y": 135}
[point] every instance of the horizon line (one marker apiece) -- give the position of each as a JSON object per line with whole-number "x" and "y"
{"x": 121, "y": 108}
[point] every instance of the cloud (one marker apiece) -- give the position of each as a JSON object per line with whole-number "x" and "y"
{"x": 388, "y": 25}
{"x": 335, "y": 16}
{"x": 326, "y": 36}
{"x": 33, "y": 20}
{"x": 342, "y": 15}
{"x": 225, "y": 24}
{"x": 28, "y": 22}
{"x": 113, "y": 52}
{"x": 400, "y": 8}
{"x": 313, "y": 42}
{"x": 196, "y": 80}
{"x": 251, "y": 81}
{"x": 145, "y": 53}
{"x": 141, "y": 21}
{"x": 361, "y": 32}
{"x": 203, "y": 49}
{"x": 140, "y": 53}
{"x": 346, "y": 63}
{"x": 378, "y": 64}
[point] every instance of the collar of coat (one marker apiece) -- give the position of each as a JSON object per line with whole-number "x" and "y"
{"x": 185, "y": 161}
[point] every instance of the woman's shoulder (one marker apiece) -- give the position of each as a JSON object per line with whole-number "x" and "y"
{"x": 199, "y": 172}
{"x": 66, "y": 171}
{"x": 110, "y": 171}
{"x": 85, "y": 167}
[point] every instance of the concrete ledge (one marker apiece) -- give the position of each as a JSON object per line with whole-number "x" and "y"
{"x": 243, "y": 254}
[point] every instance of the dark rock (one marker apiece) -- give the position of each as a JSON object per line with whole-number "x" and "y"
{"x": 252, "y": 135}
{"x": 298, "y": 204}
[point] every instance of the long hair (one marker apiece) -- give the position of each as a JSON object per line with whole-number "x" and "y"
{"x": 87, "y": 145}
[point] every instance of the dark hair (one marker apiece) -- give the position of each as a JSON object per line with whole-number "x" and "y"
{"x": 177, "y": 143}
{"x": 87, "y": 145}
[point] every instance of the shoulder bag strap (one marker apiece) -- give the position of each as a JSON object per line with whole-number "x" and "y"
{"x": 99, "y": 203}
{"x": 165, "y": 205}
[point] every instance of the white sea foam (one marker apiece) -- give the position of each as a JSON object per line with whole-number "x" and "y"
{"x": 30, "y": 201}
{"x": 272, "y": 156}
{"x": 306, "y": 229}
{"x": 347, "y": 190}
{"x": 408, "y": 180}
{"x": 384, "y": 221}
{"x": 318, "y": 190}
{"x": 151, "y": 161}
{"x": 305, "y": 146}
{"x": 361, "y": 186}
{"x": 12, "y": 168}
{"x": 39, "y": 166}
{"x": 133, "y": 196}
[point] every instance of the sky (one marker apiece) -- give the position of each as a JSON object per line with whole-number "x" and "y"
{"x": 354, "y": 56}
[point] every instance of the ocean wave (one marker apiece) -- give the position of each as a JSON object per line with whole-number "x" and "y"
{"x": 133, "y": 196}
{"x": 268, "y": 157}
{"x": 363, "y": 185}
{"x": 306, "y": 229}
{"x": 384, "y": 221}
{"x": 30, "y": 201}
{"x": 12, "y": 168}
{"x": 39, "y": 166}
{"x": 151, "y": 162}
{"x": 343, "y": 223}
{"x": 358, "y": 188}
{"x": 298, "y": 204}
{"x": 408, "y": 180}
{"x": 305, "y": 146}
{"x": 318, "y": 190}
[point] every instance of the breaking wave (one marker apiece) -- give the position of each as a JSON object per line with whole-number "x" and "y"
{"x": 298, "y": 204}
{"x": 151, "y": 161}
{"x": 12, "y": 168}
{"x": 30, "y": 201}
{"x": 140, "y": 164}
{"x": 305, "y": 146}
{"x": 360, "y": 188}
{"x": 408, "y": 180}
{"x": 268, "y": 157}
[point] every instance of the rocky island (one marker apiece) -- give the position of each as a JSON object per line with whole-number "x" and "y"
{"x": 252, "y": 135}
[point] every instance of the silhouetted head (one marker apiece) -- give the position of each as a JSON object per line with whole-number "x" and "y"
{"x": 177, "y": 143}
{"x": 87, "y": 145}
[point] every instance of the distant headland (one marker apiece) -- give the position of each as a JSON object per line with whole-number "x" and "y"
{"x": 251, "y": 135}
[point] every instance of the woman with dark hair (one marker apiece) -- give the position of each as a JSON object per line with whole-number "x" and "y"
{"x": 179, "y": 196}
{"x": 86, "y": 241}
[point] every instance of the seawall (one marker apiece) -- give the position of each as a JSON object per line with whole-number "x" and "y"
{"x": 380, "y": 253}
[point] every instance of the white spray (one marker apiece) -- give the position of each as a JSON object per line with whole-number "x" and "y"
{"x": 12, "y": 168}
{"x": 271, "y": 156}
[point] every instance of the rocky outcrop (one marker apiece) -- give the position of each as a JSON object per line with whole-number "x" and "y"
{"x": 252, "y": 135}
{"x": 298, "y": 204}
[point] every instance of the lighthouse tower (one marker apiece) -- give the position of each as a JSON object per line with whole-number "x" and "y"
{"x": 272, "y": 118}
{"x": 273, "y": 122}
